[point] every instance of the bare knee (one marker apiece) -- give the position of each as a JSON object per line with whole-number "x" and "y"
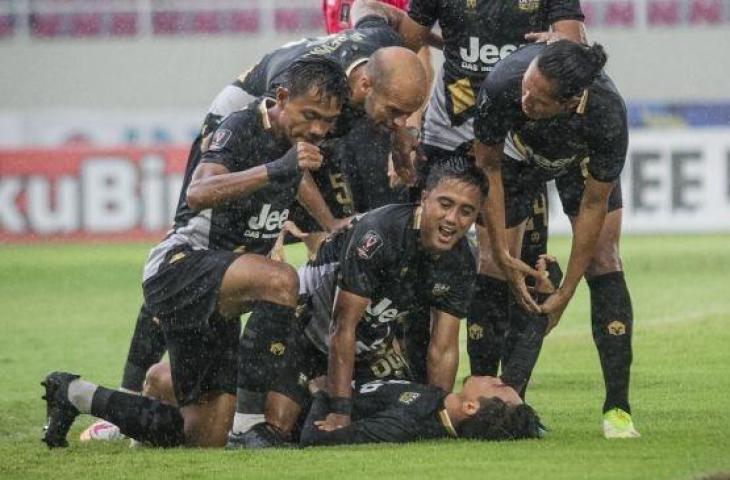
{"x": 158, "y": 383}
{"x": 606, "y": 259}
{"x": 284, "y": 284}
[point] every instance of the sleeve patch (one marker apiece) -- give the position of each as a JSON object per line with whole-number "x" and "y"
{"x": 220, "y": 139}
{"x": 369, "y": 244}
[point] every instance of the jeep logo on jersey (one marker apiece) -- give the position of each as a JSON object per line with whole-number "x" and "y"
{"x": 382, "y": 313}
{"x": 268, "y": 219}
{"x": 488, "y": 54}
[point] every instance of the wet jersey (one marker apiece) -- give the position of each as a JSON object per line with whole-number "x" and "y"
{"x": 381, "y": 258}
{"x": 595, "y": 135}
{"x": 384, "y": 411}
{"x": 477, "y": 34}
{"x": 348, "y": 48}
{"x": 251, "y": 224}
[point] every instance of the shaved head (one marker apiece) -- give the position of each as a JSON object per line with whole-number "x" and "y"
{"x": 398, "y": 71}
{"x": 398, "y": 82}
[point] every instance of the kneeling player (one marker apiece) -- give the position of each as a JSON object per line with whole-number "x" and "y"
{"x": 365, "y": 281}
{"x": 207, "y": 272}
{"x": 402, "y": 411}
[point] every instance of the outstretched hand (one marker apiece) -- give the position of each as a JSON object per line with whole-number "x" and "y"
{"x": 334, "y": 421}
{"x": 405, "y": 155}
{"x": 516, "y": 271}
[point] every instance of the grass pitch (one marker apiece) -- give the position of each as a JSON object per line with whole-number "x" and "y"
{"x": 73, "y": 308}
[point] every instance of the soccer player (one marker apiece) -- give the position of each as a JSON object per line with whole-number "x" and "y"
{"x": 550, "y": 112}
{"x": 402, "y": 411}
{"x": 385, "y": 89}
{"x": 476, "y": 34}
{"x": 387, "y": 84}
{"x": 205, "y": 274}
{"x": 367, "y": 280}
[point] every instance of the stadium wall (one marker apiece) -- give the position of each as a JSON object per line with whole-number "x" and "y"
{"x": 677, "y": 63}
{"x": 673, "y": 182}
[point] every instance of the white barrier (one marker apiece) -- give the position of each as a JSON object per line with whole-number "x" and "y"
{"x": 674, "y": 181}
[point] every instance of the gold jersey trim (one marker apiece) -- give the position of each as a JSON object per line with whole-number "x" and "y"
{"x": 446, "y": 422}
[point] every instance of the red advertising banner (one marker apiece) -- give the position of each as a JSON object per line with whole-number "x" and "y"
{"x": 81, "y": 193}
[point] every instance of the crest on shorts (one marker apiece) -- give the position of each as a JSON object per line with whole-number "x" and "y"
{"x": 528, "y": 5}
{"x": 475, "y": 331}
{"x": 277, "y": 348}
{"x": 408, "y": 397}
{"x": 617, "y": 328}
{"x": 369, "y": 244}
{"x": 440, "y": 289}
{"x": 220, "y": 138}
{"x": 471, "y": 4}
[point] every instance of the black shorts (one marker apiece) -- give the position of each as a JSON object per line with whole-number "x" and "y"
{"x": 203, "y": 359}
{"x": 183, "y": 295}
{"x": 184, "y": 291}
{"x": 523, "y": 183}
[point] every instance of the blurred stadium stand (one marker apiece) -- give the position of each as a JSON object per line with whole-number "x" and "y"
{"x": 101, "y": 98}
{"x": 124, "y": 18}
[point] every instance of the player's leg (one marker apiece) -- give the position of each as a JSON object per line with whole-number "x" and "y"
{"x": 521, "y": 334}
{"x": 487, "y": 318}
{"x": 611, "y": 309}
{"x": 158, "y": 383}
{"x": 612, "y": 321}
{"x": 260, "y": 355}
{"x": 146, "y": 348}
{"x": 526, "y": 330}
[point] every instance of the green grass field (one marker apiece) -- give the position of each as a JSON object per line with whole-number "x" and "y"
{"x": 73, "y": 308}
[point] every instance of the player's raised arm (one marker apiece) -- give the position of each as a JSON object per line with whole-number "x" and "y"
{"x": 415, "y": 35}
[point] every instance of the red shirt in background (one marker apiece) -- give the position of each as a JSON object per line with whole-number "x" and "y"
{"x": 337, "y": 13}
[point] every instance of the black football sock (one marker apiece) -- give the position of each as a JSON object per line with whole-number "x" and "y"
{"x": 260, "y": 359}
{"x": 486, "y": 324}
{"x": 146, "y": 348}
{"x": 525, "y": 335}
{"x": 612, "y": 320}
{"x": 141, "y": 418}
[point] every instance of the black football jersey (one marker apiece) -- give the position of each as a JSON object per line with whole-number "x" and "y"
{"x": 477, "y": 34}
{"x": 595, "y": 135}
{"x": 251, "y": 224}
{"x": 348, "y": 48}
{"x": 384, "y": 411}
{"x": 380, "y": 258}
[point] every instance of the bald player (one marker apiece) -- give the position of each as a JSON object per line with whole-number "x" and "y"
{"x": 385, "y": 88}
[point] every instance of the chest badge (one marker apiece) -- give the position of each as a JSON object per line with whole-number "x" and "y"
{"x": 408, "y": 397}
{"x": 528, "y": 6}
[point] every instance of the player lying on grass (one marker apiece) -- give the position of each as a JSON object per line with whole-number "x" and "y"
{"x": 364, "y": 283}
{"x": 209, "y": 270}
{"x": 402, "y": 411}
